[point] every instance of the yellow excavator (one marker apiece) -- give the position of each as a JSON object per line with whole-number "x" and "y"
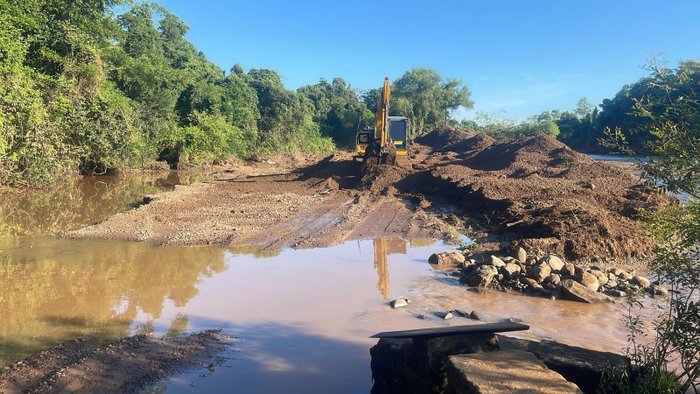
{"x": 388, "y": 138}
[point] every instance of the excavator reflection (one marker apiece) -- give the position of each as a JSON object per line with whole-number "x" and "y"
{"x": 382, "y": 248}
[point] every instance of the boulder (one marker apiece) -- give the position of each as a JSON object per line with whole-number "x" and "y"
{"x": 539, "y": 272}
{"x": 589, "y": 281}
{"x": 641, "y": 281}
{"x": 581, "y": 366}
{"x": 615, "y": 293}
{"x": 447, "y": 259}
{"x": 600, "y": 275}
{"x": 555, "y": 263}
{"x": 568, "y": 269}
{"x": 659, "y": 290}
{"x": 521, "y": 255}
{"x": 622, "y": 274}
{"x": 510, "y": 270}
{"x": 575, "y": 291}
{"x": 553, "y": 279}
{"x": 482, "y": 276}
{"x": 495, "y": 261}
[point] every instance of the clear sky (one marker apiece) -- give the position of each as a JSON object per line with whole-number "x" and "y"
{"x": 517, "y": 57}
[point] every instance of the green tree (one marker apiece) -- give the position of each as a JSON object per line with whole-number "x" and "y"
{"x": 428, "y": 99}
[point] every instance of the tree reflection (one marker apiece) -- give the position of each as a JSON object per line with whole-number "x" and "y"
{"x": 59, "y": 289}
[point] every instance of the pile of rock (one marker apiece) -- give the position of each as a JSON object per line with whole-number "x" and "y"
{"x": 548, "y": 276}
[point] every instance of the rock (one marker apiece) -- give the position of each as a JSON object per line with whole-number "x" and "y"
{"x": 517, "y": 372}
{"x": 447, "y": 259}
{"x": 615, "y": 293}
{"x": 482, "y": 276}
{"x": 612, "y": 283}
{"x": 444, "y": 315}
{"x": 528, "y": 281}
{"x": 399, "y": 303}
{"x": 590, "y": 281}
{"x": 510, "y": 270}
{"x": 553, "y": 279}
{"x": 600, "y": 275}
{"x": 622, "y": 274}
{"x": 641, "y": 281}
{"x": 575, "y": 291}
{"x": 475, "y": 315}
{"x": 568, "y": 269}
{"x": 555, "y": 263}
{"x": 509, "y": 259}
{"x": 581, "y": 366}
{"x": 659, "y": 290}
{"x": 495, "y": 261}
{"x": 521, "y": 255}
{"x": 540, "y": 272}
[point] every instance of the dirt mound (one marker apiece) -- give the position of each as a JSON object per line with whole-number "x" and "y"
{"x": 443, "y": 137}
{"x": 475, "y": 143}
{"x": 541, "y": 194}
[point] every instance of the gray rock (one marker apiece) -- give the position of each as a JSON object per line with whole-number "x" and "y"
{"x": 510, "y": 270}
{"x": 482, "y": 276}
{"x": 539, "y": 273}
{"x": 590, "y": 281}
{"x": 555, "y": 263}
{"x": 475, "y": 315}
{"x": 575, "y": 291}
{"x": 641, "y": 281}
{"x": 399, "y": 303}
{"x": 568, "y": 269}
{"x": 448, "y": 259}
{"x": 444, "y": 315}
{"x": 615, "y": 293}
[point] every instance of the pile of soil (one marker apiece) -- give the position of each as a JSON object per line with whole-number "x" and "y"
{"x": 443, "y": 137}
{"x": 533, "y": 192}
{"x": 540, "y": 194}
{"x": 124, "y": 366}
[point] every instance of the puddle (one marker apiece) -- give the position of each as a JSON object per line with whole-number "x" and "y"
{"x": 302, "y": 318}
{"x": 80, "y": 201}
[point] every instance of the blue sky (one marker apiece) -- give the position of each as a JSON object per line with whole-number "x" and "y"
{"x": 517, "y": 57}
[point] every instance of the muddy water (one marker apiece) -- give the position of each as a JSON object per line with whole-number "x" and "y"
{"x": 302, "y": 318}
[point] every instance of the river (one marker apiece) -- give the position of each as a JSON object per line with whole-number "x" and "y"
{"x": 301, "y": 318}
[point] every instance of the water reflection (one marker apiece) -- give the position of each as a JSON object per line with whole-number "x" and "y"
{"x": 79, "y": 201}
{"x": 53, "y": 290}
{"x": 382, "y": 248}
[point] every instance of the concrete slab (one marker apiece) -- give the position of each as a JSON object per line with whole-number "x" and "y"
{"x": 506, "y": 371}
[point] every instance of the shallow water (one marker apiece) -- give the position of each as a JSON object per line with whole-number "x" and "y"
{"x": 301, "y": 318}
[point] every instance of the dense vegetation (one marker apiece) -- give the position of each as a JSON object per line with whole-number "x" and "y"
{"x": 83, "y": 88}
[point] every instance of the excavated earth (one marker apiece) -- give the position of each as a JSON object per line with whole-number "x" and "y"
{"x": 533, "y": 192}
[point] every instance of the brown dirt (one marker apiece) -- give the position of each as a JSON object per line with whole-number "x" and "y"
{"x": 124, "y": 366}
{"x": 534, "y": 192}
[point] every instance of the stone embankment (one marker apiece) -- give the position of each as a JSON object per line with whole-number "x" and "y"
{"x": 547, "y": 276}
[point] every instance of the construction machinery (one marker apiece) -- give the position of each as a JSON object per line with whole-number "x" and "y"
{"x": 388, "y": 138}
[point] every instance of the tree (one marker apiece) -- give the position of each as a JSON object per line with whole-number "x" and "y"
{"x": 673, "y": 119}
{"x": 426, "y": 99}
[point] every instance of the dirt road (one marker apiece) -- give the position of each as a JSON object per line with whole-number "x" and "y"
{"x": 534, "y": 192}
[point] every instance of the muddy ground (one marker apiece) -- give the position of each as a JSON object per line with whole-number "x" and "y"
{"x": 533, "y": 192}
{"x": 124, "y": 366}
